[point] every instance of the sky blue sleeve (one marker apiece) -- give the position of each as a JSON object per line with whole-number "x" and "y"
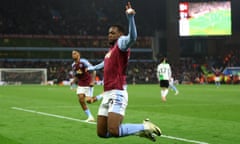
{"x": 99, "y": 66}
{"x": 124, "y": 42}
{"x": 86, "y": 62}
{"x": 96, "y": 67}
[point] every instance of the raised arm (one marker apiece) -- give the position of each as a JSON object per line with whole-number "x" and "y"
{"x": 124, "y": 42}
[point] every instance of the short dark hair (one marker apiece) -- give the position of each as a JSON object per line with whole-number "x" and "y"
{"x": 119, "y": 27}
{"x": 164, "y": 60}
{"x": 77, "y": 51}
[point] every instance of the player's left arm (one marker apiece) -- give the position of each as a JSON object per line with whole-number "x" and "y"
{"x": 96, "y": 67}
{"x": 85, "y": 62}
{"x": 124, "y": 42}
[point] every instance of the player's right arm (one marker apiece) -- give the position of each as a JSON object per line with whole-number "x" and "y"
{"x": 213, "y": 69}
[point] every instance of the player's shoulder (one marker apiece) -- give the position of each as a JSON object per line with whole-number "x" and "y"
{"x": 166, "y": 64}
{"x": 162, "y": 64}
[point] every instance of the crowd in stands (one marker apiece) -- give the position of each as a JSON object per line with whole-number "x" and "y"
{"x": 50, "y": 21}
{"x": 90, "y": 18}
{"x": 74, "y": 17}
{"x": 186, "y": 70}
{"x": 232, "y": 57}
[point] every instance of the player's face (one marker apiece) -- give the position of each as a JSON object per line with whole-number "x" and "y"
{"x": 113, "y": 35}
{"x": 75, "y": 55}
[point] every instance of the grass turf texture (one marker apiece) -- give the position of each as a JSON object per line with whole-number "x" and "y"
{"x": 200, "y": 112}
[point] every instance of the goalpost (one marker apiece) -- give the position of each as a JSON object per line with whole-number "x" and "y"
{"x": 23, "y": 75}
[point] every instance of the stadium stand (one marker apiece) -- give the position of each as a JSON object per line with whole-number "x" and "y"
{"x": 42, "y": 34}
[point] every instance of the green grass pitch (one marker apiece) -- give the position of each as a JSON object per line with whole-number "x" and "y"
{"x": 199, "y": 114}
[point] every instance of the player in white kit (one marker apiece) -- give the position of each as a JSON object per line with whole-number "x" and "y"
{"x": 164, "y": 74}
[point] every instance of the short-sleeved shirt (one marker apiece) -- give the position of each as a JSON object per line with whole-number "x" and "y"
{"x": 79, "y": 71}
{"x": 115, "y": 65}
{"x": 164, "y": 71}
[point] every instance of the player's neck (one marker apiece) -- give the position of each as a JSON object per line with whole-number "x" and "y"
{"x": 77, "y": 60}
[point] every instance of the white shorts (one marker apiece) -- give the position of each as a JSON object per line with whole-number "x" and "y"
{"x": 88, "y": 91}
{"x": 217, "y": 78}
{"x": 125, "y": 87}
{"x": 113, "y": 101}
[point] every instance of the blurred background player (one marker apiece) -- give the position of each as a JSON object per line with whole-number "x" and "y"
{"x": 85, "y": 82}
{"x": 115, "y": 99}
{"x": 217, "y": 78}
{"x": 164, "y": 74}
{"x": 172, "y": 86}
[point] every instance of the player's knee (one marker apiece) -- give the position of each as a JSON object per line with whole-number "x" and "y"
{"x": 102, "y": 134}
{"x": 114, "y": 132}
{"x": 81, "y": 98}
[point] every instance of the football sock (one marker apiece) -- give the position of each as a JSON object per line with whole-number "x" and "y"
{"x": 130, "y": 129}
{"x": 165, "y": 92}
{"x": 162, "y": 92}
{"x": 88, "y": 113}
{"x": 174, "y": 88}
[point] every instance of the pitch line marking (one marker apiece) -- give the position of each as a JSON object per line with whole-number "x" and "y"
{"x": 83, "y": 121}
{"x": 183, "y": 139}
{"x": 52, "y": 115}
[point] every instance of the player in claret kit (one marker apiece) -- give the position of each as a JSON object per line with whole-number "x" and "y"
{"x": 85, "y": 82}
{"x": 217, "y": 72}
{"x": 115, "y": 98}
